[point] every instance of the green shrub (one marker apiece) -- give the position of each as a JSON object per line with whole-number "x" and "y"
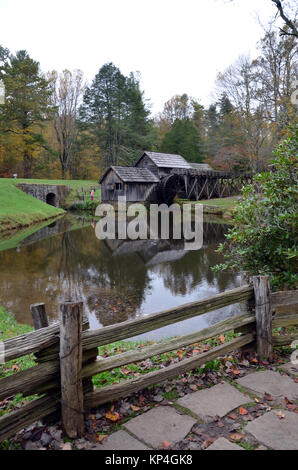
{"x": 87, "y": 206}
{"x": 264, "y": 237}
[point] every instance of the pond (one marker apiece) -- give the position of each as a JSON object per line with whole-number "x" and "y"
{"x": 116, "y": 279}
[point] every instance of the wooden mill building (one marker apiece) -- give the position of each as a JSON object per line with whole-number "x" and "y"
{"x": 159, "y": 177}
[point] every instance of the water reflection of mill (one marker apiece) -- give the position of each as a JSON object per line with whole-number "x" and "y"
{"x": 115, "y": 278}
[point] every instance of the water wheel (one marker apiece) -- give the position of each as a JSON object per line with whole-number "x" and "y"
{"x": 169, "y": 187}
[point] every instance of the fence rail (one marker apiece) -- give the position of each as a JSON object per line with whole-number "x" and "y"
{"x": 67, "y": 353}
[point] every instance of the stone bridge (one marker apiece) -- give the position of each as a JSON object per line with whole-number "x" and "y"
{"x": 52, "y": 194}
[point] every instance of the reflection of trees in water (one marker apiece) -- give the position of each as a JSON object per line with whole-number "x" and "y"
{"x": 184, "y": 275}
{"x": 71, "y": 265}
{"x": 113, "y": 285}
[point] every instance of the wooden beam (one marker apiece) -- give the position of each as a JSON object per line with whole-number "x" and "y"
{"x": 45, "y": 337}
{"x": 45, "y": 376}
{"x": 38, "y": 313}
{"x": 284, "y": 340}
{"x": 282, "y": 298}
{"x": 38, "y": 379}
{"x": 131, "y": 328}
{"x": 192, "y": 188}
{"x": 13, "y": 422}
{"x": 285, "y": 320}
{"x": 263, "y": 316}
{"x": 71, "y": 368}
{"x": 102, "y": 365}
{"x": 115, "y": 391}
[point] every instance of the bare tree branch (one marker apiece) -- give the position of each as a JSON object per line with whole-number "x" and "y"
{"x": 287, "y": 20}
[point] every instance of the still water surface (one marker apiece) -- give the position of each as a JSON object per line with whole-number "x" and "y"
{"x": 117, "y": 279}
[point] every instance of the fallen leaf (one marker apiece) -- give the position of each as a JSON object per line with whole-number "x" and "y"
{"x": 180, "y": 354}
{"x": 232, "y": 416}
{"x": 280, "y": 414}
{"x": 243, "y": 411}
{"x": 142, "y": 400}
{"x": 100, "y": 437}
{"x": 166, "y": 444}
{"x": 236, "y": 437}
{"x": 222, "y": 339}
{"x": 135, "y": 408}
{"x": 112, "y": 416}
{"x": 208, "y": 442}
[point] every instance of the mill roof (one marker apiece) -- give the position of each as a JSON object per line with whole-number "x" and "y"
{"x": 201, "y": 166}
{"x": 166, "y": 160}
{"x": 131, "y": 174}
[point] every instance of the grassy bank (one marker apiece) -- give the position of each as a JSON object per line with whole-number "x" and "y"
{"x": 76, "y": 185}
{"x": 220, "y": 206}
{"x": 18, "y": 209}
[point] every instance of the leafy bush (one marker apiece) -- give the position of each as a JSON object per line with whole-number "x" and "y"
{"x": 87, "y": 206}
{"x": 264, "y": 237}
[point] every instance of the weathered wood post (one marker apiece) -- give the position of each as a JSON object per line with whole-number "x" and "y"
{"x": 248, "y": 307}
{"x": 40, "y": 319}
{"x": 263, "y": 316}
{"x": 71, "y": 322}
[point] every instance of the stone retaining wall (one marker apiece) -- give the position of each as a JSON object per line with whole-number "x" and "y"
{"x": 52, "y": 194}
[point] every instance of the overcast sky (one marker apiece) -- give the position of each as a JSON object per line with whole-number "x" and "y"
{"x": 178, "y": 46}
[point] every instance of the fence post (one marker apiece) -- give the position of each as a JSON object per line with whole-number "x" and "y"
{"x": 248, "y": 307}
{"x": 40, "y": 319}
{"x": 263, "y": 316}
{"x": 71, "y": 322}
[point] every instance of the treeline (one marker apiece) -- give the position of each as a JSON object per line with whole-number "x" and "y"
{"x": 55, "y": 125}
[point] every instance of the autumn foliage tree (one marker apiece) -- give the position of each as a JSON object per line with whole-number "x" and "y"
{"x": 27, "y": 107}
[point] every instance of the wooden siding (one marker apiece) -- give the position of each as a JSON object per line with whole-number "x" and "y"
{"x": 108, "y": 191}
{"x": 134, "y": 192}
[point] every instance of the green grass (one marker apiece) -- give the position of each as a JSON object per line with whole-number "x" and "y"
{"x": 76, "y": 185}
{"x": 226, "y": 204}
{"x": 8, "y": 329}
{"x": 18, "y": 209}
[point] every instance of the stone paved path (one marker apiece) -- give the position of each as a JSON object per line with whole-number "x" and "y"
{"x": 275, "y": 429}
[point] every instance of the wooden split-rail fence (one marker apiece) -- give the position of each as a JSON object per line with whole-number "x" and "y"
{"x": 67, "y": 352}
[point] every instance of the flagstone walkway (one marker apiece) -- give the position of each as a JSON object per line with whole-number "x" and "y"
{"x": 206, "y": 412}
